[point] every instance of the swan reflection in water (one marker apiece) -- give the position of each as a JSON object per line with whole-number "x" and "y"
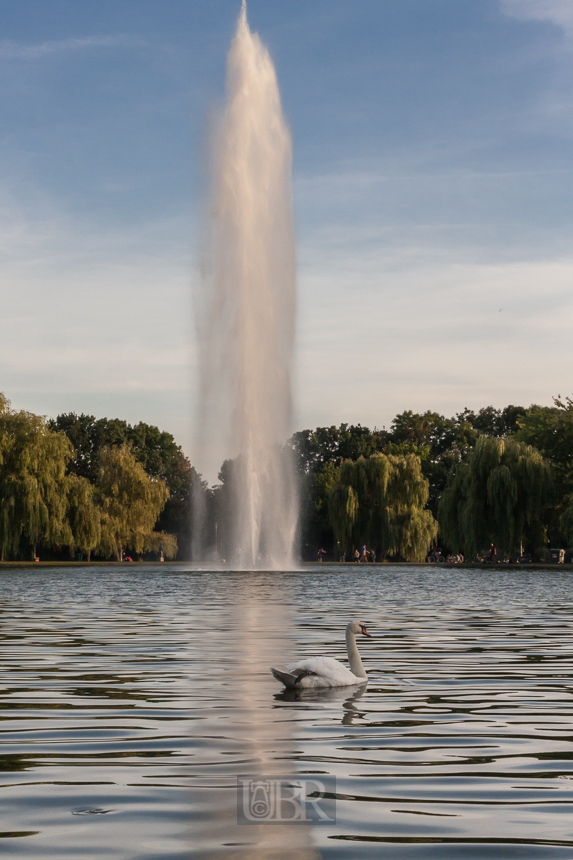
{"x": 346, "y": 696}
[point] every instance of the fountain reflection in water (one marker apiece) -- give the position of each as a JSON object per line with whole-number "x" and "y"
{"x": 248, "y": 330}
{"x": 255, "y": 738}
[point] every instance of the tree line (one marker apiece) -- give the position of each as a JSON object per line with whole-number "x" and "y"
{"x": 95, "y": 487}
{"x": 104, "y": 488}
{"x": 495, "y": 476}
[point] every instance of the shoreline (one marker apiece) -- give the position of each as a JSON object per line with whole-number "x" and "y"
{"x": 310, "y": 565}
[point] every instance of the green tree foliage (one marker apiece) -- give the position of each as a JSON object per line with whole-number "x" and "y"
{"x": 84, "y": 515}
{"x": 33, "y": 482}
{"x": 316, "y": 528}
{"x": 155, "y": 449}
{"x": 157, "y": 452}
{"x": 317, "y": 455}
{"x": 493, "y": 422}
{"x": 130, "y": 503}
{"x": 381, "y": 501}
{"x": 51, "y": 491}
{"x": 45, "y": 503}
{"x": 312, "y": 449}
{"x": 500, "y": 495}
{"x": 550, "y": 430}
{"x": 442, "y": 444}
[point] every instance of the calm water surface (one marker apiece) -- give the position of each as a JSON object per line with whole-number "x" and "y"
{"x": 132, "y": 698}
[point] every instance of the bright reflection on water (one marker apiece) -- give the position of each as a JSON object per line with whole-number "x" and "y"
{"x": 133, "y": 698}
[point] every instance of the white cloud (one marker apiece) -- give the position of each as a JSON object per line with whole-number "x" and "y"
{"x": 15, "y": 51}
{"x": 558, "y": 12}
{"x": 386, "y": 329}
{"x": 102, "y": 323}
{"x": 93, "y": 321}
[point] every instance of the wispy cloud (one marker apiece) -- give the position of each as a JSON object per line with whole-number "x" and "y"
{"x": 95, "y": 320}
{"x": 16, "y": 51}
{"x": 558, "y": 12}
{"x": 382, "y": 331}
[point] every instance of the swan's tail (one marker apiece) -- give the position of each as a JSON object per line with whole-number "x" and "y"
{"x": 285, "y": 678}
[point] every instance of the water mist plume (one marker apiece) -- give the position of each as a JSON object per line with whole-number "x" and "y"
{"x": 247, "y": 340}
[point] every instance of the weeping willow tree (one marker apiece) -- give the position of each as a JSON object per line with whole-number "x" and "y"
{"x": 381, "y": 501}
{"x": 84, "y": 516}
{"x": 129, "y": 503}
{"x": 499, "y": 495}
{"x": 33, "y": 482}
{"x": 41, "y": 504}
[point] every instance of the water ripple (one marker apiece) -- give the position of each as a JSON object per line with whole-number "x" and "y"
{"x": 132, "y": 700}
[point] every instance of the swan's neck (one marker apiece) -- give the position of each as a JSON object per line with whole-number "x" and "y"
{"x": 356, "y": 666}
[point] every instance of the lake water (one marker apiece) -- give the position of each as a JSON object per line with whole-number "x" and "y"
{"x": 132, "y": 698}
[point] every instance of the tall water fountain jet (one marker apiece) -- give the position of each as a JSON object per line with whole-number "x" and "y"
{"x": 248, "y": 335}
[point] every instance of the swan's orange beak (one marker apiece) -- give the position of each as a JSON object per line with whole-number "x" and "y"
{"x": 365, "y": 632}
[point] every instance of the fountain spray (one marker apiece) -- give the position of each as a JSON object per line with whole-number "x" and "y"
{"x": 248, "y": 336}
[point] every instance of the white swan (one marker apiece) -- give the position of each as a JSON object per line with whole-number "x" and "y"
{"x": 326, "y": 671}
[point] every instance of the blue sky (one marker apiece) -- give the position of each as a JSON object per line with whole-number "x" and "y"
{"x": 432, "y": 192}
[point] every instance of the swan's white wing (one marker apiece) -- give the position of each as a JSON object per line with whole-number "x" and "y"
{"x": 323, "y": 672}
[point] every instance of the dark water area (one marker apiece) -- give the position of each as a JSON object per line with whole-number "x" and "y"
{"x": 131, "y": 699}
